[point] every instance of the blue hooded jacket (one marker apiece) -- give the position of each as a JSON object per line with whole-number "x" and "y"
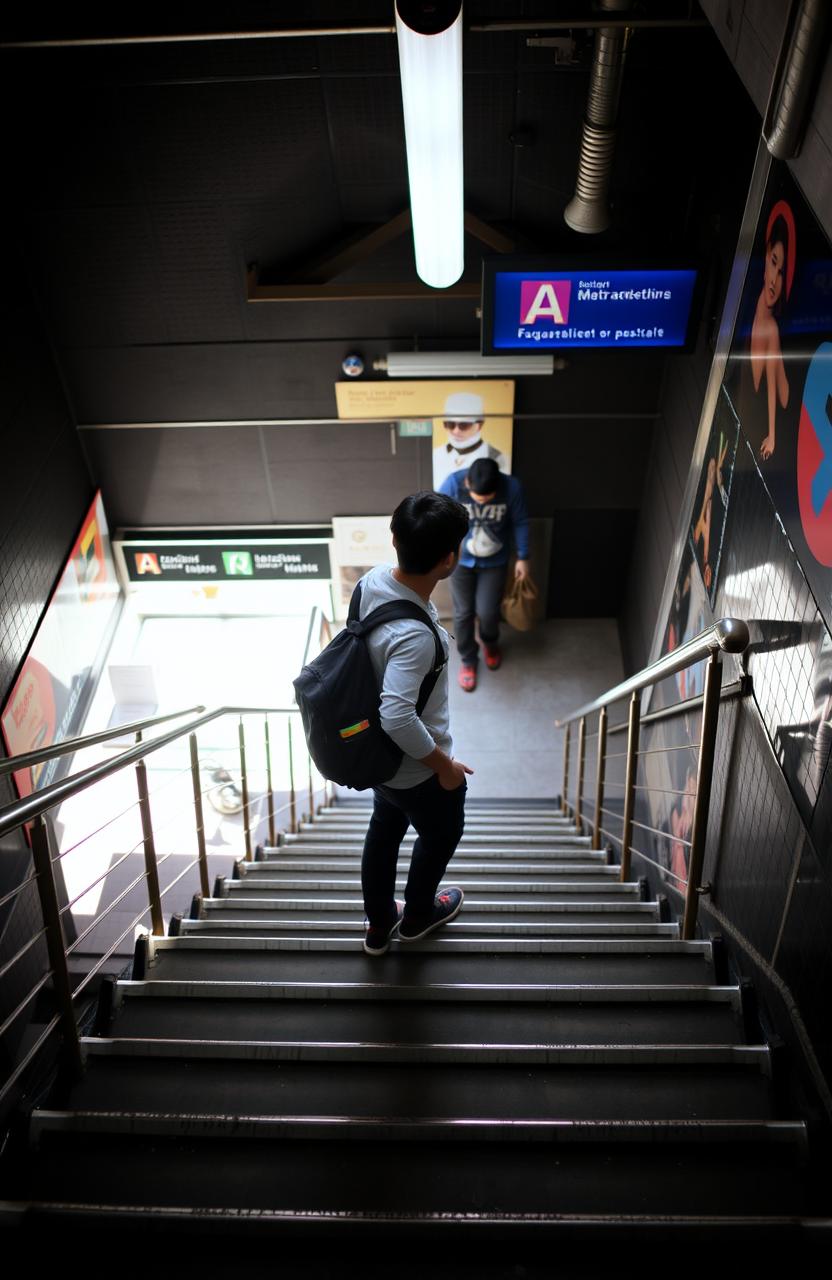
{"x": 492, "y": 524}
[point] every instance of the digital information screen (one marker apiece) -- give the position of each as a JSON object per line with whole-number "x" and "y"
{"x": 550, "y": 309}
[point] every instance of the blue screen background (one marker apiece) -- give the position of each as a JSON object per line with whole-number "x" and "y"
{"x": 625, "y": 322}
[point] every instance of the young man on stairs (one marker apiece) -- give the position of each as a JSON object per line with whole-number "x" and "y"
{"x": 496, "y": 507}
{"x": 428, "y": 789}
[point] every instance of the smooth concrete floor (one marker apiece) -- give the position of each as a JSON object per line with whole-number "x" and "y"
{"x": 505, "y": 730}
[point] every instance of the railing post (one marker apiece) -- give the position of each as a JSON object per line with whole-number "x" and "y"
{"x": 151, "y": 869}
{"x": 704, "y": 776}
{"x": 244, "y": 780}
{"x": 564, "y": 805}
{"x": 200, "y": 820}
{"x": 630, "y": 783}
{"x": 600, "y": 774}
{"x": 269, "y": 788}
{"x": 42, "y": 859}
{"x": 311, "y": 791}
{"x": 293, "y": 806}
{"x": 579, "y": 803}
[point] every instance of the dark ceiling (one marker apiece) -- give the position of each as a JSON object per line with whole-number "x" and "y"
{"x": 148, "y": 177}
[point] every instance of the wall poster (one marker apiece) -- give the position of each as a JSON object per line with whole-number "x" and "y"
{"x": 51, "y": 695}
{"x": 472, "y": 418}
{"x": 359, "y": 543}
{"x": 779, "y": 375}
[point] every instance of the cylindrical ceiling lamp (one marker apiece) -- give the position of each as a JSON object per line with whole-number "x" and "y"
{"x": 430, "y": 59}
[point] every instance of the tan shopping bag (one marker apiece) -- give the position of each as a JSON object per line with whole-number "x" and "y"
{"x": 519, "y": 604}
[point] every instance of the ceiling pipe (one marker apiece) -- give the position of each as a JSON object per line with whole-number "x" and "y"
{"x": 804, "y": 44}
{"x": 588, "y": 210}
{"x": 311, "y": 32}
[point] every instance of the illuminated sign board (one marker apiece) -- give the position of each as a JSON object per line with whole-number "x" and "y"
{"x": 546, "y": 308}
{"x": 225, "y": 562}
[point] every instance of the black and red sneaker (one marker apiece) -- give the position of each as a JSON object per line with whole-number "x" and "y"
{"x": 493, "y": 656}
{"x": 446, "y": 905}
{"x": 377, "y": 938}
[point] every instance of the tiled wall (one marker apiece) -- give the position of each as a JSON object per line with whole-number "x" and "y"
{"x": 45, "y": 489}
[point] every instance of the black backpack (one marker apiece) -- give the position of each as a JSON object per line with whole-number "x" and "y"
{"x": 339, "y": 696}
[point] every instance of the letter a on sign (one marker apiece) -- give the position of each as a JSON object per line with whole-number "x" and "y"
{"x": 549, "y": 298}
{"x": 147, "y": 562}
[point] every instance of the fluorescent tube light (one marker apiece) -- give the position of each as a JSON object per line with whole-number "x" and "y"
{"x": 431, "y": 73}
{"x": 461, "y": 364}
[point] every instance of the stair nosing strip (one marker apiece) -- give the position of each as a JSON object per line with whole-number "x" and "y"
{"x": 648, "y": 993}
{"x": 569, "y": 946}
{"x": 357, "y": 1051}
{"x": 463, "y": 1128}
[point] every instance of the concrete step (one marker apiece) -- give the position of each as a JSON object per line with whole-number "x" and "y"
{"x": 557, "y": 858}
{"x": 409, "y": 1024}
{"x": 461, "y": 865}
{"x": 599, "y": 962}
{"x": 452, "y": 992}
{"x": 381, "y": 1128}
{"x": 720, "y": 1091}
{"x": 484, "y": 838}
{"x": 476, "y": 1054}
{"x": 288, "y": 900}
{"x": 307, "y": 882}
{"x": 296, "y": 1179}
{"x": 501, "y": 937}
{"x": 473, "y": 914}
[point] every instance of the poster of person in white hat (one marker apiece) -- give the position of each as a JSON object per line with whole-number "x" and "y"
{"x": 472, "y": 418}
{"x": 465, "y": 432}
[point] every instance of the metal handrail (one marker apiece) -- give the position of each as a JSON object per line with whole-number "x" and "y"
{"x": 32, "y": 810}
{"x": 71, "y": 745}
{"x": 728, "y": 635}
{"x": 323, "y": 624}
{"x": 22, "y": 811}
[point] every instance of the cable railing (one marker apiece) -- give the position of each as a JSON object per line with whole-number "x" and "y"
{"x": 728, "y": 635}
{"x": 32, "y": 814}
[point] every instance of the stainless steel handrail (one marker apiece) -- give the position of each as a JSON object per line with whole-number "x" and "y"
{"x": 33, "y": 808}
{"x": 21, "y": 811}
{"x": 730, "y": 635}
{"x": 70, "y": 745}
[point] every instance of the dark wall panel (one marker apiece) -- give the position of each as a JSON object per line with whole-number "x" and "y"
{"x": 44, "y": 491}
{"x": 588, "y": 562}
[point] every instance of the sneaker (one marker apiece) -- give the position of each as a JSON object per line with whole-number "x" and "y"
{"x": 377, "y": 939}
{"x": 446, "y": 905}
{"x": 467, "y": 678}
{"x": 493, "y": 656}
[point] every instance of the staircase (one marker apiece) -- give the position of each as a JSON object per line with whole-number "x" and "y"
{"x": 555, "y": 1061}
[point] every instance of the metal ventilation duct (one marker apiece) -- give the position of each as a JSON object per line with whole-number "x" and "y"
{"x": 588, "y": 210}
{"x": 795, "y": 76}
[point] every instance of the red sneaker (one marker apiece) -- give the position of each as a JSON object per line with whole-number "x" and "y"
{"x": 493, "y": 656}
{"x": 467, "y": 678}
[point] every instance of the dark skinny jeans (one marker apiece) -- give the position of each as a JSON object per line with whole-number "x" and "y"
{"x": 438, "y": 817}
{"x": 477, "y": 593}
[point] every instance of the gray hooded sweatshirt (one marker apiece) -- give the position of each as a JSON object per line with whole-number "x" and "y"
{"x": 402, "y": 654}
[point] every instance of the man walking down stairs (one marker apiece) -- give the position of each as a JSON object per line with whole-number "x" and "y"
{"x": 555, "y": 1065}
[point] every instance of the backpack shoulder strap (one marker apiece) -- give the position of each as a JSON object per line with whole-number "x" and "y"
{"x": 395, "y": 610}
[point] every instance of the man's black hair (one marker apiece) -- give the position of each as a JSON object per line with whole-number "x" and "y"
{"x": 483, "y": 475}
{"x": 427, "y": 527}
